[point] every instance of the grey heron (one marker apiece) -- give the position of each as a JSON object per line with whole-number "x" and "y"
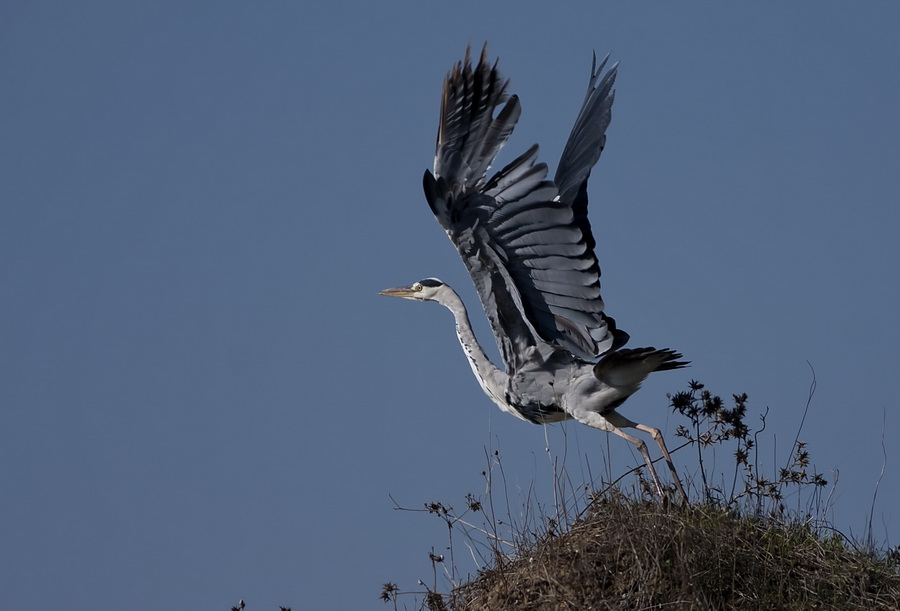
{"x": 527, "y": 244}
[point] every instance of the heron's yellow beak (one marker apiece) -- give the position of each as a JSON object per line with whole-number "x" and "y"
{"x": 400, "y": 291}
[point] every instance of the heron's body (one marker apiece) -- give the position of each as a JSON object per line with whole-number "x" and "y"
{"x": 528, "y": 246}
{"x": 551, "y": 384}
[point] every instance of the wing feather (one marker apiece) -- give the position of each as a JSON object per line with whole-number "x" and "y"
{"x": 530, "y": 220}
{"x": 554, "y": 237}
{"x": 556, "y": 275}
{"x": 551, "y": 263}
{"x": 565, "y": 289}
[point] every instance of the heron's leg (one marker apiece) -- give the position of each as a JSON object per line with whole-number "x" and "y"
{"x": 595, "y": 420}
{"x": 618, "y": 420}
{"x": 642, "y": 448}
{"x": 658, "y": 438}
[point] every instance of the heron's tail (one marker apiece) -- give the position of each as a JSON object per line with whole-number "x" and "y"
{"x": 631, "y": 365}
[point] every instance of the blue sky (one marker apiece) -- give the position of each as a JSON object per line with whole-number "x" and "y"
{"x": 203, "y": 398}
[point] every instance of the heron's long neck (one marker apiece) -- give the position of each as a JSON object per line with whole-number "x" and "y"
{"x": 489, "y": 376}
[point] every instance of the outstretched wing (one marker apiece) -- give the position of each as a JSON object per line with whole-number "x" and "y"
{"x": 586, "y": 142}
{"x": 525, "y": 239}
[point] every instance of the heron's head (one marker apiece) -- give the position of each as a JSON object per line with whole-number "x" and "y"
{"x": 429, "y": 289}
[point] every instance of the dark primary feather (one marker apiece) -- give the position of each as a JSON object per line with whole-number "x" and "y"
{"x": 526, "y": 240}
{"x": 468, "y": 138}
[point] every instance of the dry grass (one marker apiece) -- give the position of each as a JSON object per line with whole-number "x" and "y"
{"x": 628, "y": 555}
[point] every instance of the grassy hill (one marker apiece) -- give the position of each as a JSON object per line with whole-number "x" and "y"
{"x": 639, "y": 555}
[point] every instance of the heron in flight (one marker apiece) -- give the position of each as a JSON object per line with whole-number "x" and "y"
{"x": 527, "y": 244}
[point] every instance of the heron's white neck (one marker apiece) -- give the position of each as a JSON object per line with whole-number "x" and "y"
{"x": 491, "y": 379}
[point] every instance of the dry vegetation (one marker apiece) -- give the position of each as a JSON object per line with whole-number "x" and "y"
{"x": 732, "y": 549}
{"x": 636, "y": 555}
